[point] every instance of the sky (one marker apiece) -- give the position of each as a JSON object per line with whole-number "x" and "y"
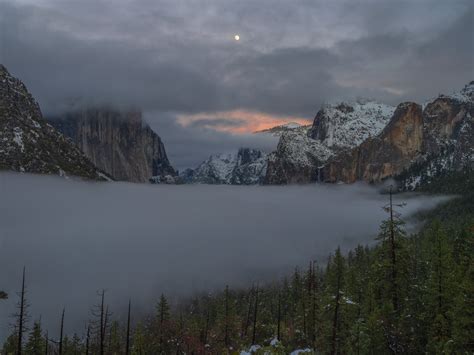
{"x": 137, "y": 240}
{"x": 179, "y": 63}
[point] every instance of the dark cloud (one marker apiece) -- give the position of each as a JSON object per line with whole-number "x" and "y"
{"x": 164, "y": 56}
{"x": 203, "y": 123}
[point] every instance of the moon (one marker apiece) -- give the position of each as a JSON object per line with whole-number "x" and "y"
{"x": 237, "y": 37}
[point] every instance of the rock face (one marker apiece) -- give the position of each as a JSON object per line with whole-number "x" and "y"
{"x": 119, "y": 143}
{"x": 336, "y": 128}
{"x": 28, "y": 143}
{"x": 246, "y": 167}
{"x": 447, "y": 151}
{"x": 384, "y": 155}
{"x": 277, "y": 131}
{"x": 415, "y": 147}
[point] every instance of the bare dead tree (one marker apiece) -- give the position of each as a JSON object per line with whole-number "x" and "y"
{"x": 101, "y": 315}
{"x": 393, "y": 256}
{"x": 249, "y": 312}
{"x": 127, "y": 344}
{"x": 22, "y": 315}
{"x": 206, "y": 329}
{"x": 314, "y": 301}
{"x": 46, "y": 346}
{"x": 279, "y": 316}
{"x": 88, "y": 334}
{"x": 255, "y": 313}
{"x": 226, "y": 309}
{"x": 61, "y": 333}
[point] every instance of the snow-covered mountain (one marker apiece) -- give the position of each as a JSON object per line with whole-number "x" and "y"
{"x": 335, "y": 128}
{"x": 29, "y": 144}
{"x": 448, "y": 145}
{"x": 244, "y": 167}
{"x": 346, "y": 125}
{"x": 417, "y": 147}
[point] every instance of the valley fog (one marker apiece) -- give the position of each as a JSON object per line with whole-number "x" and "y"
{"x": 139, "y": 241}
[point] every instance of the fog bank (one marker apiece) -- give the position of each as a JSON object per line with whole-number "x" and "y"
{"x": 141, "y": 240}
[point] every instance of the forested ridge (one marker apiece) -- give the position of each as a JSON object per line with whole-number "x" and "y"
{"x": 407, "y": 294}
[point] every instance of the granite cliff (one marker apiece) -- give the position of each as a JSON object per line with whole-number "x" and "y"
{"x": 120, "y": 143}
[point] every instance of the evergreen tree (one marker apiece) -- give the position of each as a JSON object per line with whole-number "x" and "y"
{"x": 161, "y": 326}
{"x": 463, "y": 329}
{"x": 335, "y": 286}
{"x": 36, "y": 343}
{"x": 138, "y": 343}
{"x": 440, "y": 289}
{"x": 391, "y": 273}
{"x": 11, "y": 343}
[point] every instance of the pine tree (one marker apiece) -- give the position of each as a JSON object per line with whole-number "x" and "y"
{"x": 335, "y": 285}
{"x": 114, "y": 339}
{"x": 357, "y": 292}
{"x": 36, "y": 343}
{"x": 391, "y": 275}
{"x": 11, "y": 343}
{"x": 226, "y": 318}
{"x": 138, "y": 344}
{"x": 440, "y": 289}
{"x": 162, "y": 325}
{"x": 463, "y": 328}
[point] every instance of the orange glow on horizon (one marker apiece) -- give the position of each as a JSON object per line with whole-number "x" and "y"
{"x": 239, "y": 121}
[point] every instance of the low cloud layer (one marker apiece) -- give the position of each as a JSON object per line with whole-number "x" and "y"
{"x": 140, "y": 240}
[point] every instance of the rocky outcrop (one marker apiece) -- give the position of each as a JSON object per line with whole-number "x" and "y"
{"x": 384, "y": 155}
{"x": 277, "y": 131}
{"x": 296, "y": 159}
{"x": 447, "y": 156}
{"x": 336, "y": 128}
{"x": 245, "y": 167}
{"x": 120, "y": 143}
{"x": 29, "y": 144}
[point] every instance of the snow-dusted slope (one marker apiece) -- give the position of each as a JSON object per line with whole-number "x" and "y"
{"x": 420, "y": 147}
{"x": 346, "y": 125}
{"x": 245, "y": 167}
{"x": 277, "y": 131}
{"x": 335, "y": 128}
{"x": 447, "y": 154}
{"x": 28, "y": 143}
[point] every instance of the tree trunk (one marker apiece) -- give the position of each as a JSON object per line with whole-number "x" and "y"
{"x": 61, "y": 333}
{"x": 255, "y": 313}
{"x": 22, "y": 315}
{"x": 127, "y": 344}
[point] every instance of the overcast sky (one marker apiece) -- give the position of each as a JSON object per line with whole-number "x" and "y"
{"x": 178, "y": 60}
